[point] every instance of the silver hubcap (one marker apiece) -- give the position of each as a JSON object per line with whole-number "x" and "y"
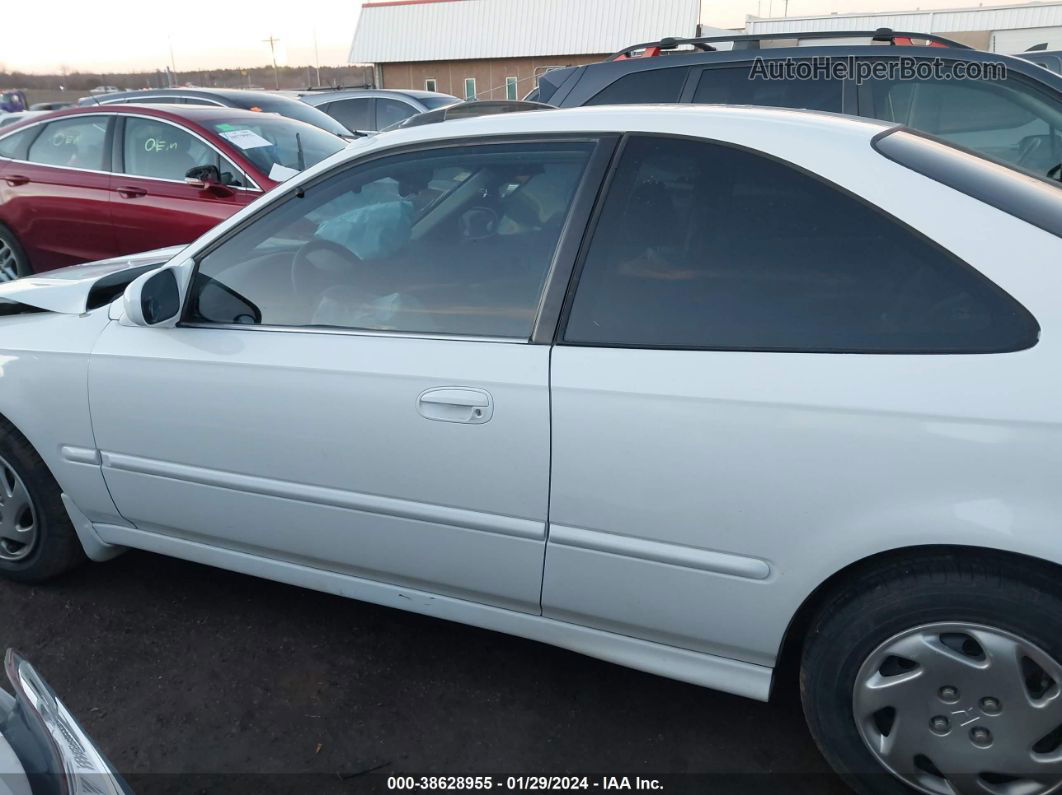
{"x": 18, "y": 519}
{"x": 956, "y": 708}
{"x": 8, "y": 265}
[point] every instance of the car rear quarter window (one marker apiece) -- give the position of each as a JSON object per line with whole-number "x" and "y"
{"x": 707, "y": 246}
{"x": 352, "y": 113}
{"x": 73, "y": 143}
{"x": 646, "y": 86}
{"x": 740, "y": 85}
{"x": 392, "y": 111}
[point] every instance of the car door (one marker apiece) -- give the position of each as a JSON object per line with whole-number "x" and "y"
{"x": 1008, "y": 117}
{"x": 353, "y": 387}
{"x": 56, "y": 194}
{"x": 753, "y": 363}
{"x": 152, "y": 205}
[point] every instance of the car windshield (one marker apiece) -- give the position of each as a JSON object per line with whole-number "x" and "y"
{"x": 294, "y": 109}
{"x": 279, "y": 147}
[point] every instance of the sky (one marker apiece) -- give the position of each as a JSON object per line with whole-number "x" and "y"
{"x": 127, "y": 35}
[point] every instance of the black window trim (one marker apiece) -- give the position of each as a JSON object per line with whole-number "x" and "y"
{"x": 591, "y": 229}
{"x": 558, "y": 274}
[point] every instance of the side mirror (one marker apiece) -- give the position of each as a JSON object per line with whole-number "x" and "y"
{"x": 153, "y": 298}
{"x": 207, "y": 178}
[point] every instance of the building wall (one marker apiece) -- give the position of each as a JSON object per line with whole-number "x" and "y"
{"x": 489, "y": 73}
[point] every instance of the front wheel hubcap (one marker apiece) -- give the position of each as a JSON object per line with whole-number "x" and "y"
{"x": 18, "y": 517}
{"x": 956, "y": 708}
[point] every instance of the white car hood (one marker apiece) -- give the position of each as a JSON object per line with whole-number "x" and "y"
{"x": 68, "y": 290}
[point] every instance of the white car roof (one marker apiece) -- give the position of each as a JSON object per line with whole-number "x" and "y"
{"x": 726, "y": 122}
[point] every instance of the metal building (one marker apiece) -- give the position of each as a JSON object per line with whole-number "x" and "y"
{"x": 493, "y": 49}
{"x": 1008, "y": 29}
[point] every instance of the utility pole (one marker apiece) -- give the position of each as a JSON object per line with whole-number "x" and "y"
{"x": 316, "y": 58}
{"x": 173, "y": 64}
{"x": 272, "y": 41}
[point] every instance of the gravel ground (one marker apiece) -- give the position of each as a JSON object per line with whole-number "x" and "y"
{"x": 197, "y": 680}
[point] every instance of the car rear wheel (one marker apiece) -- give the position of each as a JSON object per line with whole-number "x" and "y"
{"x": 940, "y": 678}
{"x": 13, "y": 260}
{"x": 37, "y": 539}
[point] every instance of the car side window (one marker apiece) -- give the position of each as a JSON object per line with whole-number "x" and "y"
{"x": 703, "y": 245}
{"x": 74, "y": 143}
{"x": 740, "y": 85}
{"x": 1006, "y": 119}
{"x": 160, "y": 150}
{"x": 391, "y": 111}
{"x": 452, "y": 241}
{"x": 646, "y": 86}
{"x": 352, "y": 113}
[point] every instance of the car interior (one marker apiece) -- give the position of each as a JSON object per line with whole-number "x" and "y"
{"x": 456, "y": 244}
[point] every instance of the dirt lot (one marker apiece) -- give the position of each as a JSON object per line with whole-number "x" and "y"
{"x": 195, "y": 680}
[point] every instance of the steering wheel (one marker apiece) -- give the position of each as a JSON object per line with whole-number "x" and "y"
{"x": 1030, "y": 147}
{"x": 319, "y": 264}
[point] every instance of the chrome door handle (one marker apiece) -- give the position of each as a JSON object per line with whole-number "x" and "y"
{"x": 456, "y": 404}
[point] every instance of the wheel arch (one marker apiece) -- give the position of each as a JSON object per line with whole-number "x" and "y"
{"x": 789, "y": 651}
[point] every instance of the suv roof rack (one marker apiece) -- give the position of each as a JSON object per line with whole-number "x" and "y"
{"x": 365, "y": 86}
{"x": 751, "y": 41}
{"x": 470, "y": 110}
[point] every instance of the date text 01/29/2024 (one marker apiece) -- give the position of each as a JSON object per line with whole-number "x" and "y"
{"x": 522, "y": 783}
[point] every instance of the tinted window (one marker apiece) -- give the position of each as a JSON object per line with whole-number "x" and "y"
{"x": 736, "y": 86}
{"x": 391, "y": 111}
{"x": 351, "y": 113}
{"x": 1009, "y": 120}
{"x": 14, "y": 145}
{"x": 706, "y": 246}
{"x": 652, "y": 85}
{"x": 164, "y": 151}
{"x": 75, "y": 143}
{"x": 453, "y": 242}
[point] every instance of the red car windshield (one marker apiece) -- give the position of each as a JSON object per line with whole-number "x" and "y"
{"x": 278, "y": 146}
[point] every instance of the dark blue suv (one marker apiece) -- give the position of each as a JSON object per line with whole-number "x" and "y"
{"x": 997, "y": 105}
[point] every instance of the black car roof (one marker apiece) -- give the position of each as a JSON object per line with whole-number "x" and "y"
{"x": 595, "y": 76}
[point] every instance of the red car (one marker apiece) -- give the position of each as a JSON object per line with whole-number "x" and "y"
{"x": 90, "y": 183}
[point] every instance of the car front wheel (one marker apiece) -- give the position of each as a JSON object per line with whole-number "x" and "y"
{"x": 37, "y": 539}
{"x": 940, "y": 677}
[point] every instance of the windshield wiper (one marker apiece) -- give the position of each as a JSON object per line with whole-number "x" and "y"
{"x": 302, "y": 157}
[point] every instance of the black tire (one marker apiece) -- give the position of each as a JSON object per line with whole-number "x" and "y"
{"x": 10, "y": 249}
{"x": 56, "y": 548}
{"x": 1011, "y": 594}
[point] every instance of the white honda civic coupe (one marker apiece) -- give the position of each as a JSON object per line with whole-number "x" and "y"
{"x": 696, "y": 390}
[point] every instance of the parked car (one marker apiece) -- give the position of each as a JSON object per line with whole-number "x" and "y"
{"x": 1048, "y": 59}
{"x": 7, "y": 119}
{"x": 261, "y": 101}
{"x": 697, "y": 390}
{"x": 1016, "y": 118}
{"x": 87, "y": 183}
{"x": 369, "y": 110}
{"x": 43, "y": 748}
